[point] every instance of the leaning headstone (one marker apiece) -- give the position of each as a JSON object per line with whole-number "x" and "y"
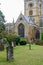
{"x": 9, "y": 52}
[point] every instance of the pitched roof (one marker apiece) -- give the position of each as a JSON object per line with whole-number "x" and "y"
{"x": 29, "y": 20}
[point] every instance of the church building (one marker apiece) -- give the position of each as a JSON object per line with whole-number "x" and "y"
{"x": 27, "y": 25}
{"x": 24, "y": 27}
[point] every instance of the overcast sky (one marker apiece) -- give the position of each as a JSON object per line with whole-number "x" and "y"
{"x": 11, "y": 9}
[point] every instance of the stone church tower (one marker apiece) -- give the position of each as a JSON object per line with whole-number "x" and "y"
{"x": 33, "y": 8}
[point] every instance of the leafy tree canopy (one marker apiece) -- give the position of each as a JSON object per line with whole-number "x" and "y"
{"x": 2, "y": 17}
{"x": 2, "y": 27}
{"x": 2, "y": 20}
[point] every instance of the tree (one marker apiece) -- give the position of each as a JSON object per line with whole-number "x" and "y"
{"x": 2, "y": 27}
{"x": 2, "y": 17}
{"x": 2, "y": 21}
{"x": 9, "y": 47}
{"x": 11, "y": 38}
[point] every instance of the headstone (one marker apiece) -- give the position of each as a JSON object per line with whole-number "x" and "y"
{"x": 9, "y": 52}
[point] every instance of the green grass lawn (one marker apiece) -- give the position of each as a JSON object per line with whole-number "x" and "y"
{"x": 24, "y": 56}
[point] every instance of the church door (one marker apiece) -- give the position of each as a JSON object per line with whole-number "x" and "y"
{"x": 21, "y": 30}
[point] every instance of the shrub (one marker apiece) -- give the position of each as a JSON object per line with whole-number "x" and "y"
{"x": 13, "y": 38}
{"x": 42, "y": 36}
{"x": 10, "y": 37}
{"x": 23, "y": 42}
{"x": 39, "y": 42}
{"x": 17, "y": 39}
{"x": 4, "y": 33}
{"x": 5, "y": 41}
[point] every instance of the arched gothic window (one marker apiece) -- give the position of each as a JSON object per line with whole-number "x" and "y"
{"x": 21, "y": 30}
{"x": 37, "y": 34}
